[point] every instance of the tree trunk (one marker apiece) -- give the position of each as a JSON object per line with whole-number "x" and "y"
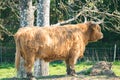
{"x": 26, "y": 13}
{"x": 26, "y": 19}
{"x": 41, "y": 67}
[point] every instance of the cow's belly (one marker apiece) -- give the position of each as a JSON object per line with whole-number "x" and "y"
{"x": 54, "y": 57}
{"x": 51, "y": 54}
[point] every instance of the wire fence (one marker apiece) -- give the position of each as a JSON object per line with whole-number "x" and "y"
{"x": 102, "y": 54}
{"x": 7, "y": 54}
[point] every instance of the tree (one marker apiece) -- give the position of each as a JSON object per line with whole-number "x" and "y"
{"x": 26, "y": 19}
{"x": 107, "y": 11}
{"x": 41, "y": 67}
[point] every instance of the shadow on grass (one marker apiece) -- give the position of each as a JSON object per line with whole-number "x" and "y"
{"x": 64, "y": 77}
{"x": 42, "y": 77}
{"x": 6, "y": 66}
{"x": 51, "y": 77}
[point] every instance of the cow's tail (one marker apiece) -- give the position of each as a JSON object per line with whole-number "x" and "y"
{"x": 17, "y": 54}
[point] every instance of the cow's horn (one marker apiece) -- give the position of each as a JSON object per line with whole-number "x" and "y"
{"x": 85, "y": 19}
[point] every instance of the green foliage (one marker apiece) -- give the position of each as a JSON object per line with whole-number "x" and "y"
{"x": 61, "y": 10}
{"x": 5, "y": 13}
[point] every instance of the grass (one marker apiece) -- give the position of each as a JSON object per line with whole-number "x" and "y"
{"x": 60, "y": 69}
{"x": 8, "y": 70}
{"x": 116, "y": 67}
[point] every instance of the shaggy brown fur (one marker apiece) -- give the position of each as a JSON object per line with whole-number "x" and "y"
{"x": 55, "y": 43}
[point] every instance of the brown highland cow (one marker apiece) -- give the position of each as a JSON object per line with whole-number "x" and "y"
{"x": 55, "y": 43}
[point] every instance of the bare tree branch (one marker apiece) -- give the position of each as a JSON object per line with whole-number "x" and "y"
{"x": 69, "y": 20}
{"x": 90, "y": 11}
{"x": 104, "y": 13}
{"x": 4, "y": 30}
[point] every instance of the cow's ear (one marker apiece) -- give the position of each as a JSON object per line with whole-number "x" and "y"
{"x": 91, "y": 24}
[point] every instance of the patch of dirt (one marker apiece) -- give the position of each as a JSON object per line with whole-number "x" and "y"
{"x": 102, "y": 68}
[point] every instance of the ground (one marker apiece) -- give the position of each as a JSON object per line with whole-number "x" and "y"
{"x": 79, "y": 77}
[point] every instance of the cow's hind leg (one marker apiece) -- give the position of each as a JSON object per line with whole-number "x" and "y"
{"x": 29, "y": 64}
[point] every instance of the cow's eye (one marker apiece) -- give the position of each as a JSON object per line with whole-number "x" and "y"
{"x": 99, "y": 29}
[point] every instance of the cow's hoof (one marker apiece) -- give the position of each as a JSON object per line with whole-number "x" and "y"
{"x": 31, "y": 78}
{"x": 74, "y": 75}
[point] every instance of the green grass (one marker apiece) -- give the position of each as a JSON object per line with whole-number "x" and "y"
{"x": 60, "y": 68}
{"x": 8, "y": 70}
{"x": 116, "y": 67}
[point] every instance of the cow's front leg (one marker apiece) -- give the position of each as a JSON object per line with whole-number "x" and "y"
{"x": 70, "y": 70}
{"x": 67, "y": 68}
{"x": 71, "y": 60}
{"x": 70, "y": 64}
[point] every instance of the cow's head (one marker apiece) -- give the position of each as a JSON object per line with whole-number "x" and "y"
{"x": 94, "y": 31}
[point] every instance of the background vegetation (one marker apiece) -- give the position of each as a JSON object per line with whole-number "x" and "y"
{"x": 62, "y": 10}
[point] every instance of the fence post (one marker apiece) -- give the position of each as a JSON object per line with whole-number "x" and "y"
{"x": 114, "y": 52}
